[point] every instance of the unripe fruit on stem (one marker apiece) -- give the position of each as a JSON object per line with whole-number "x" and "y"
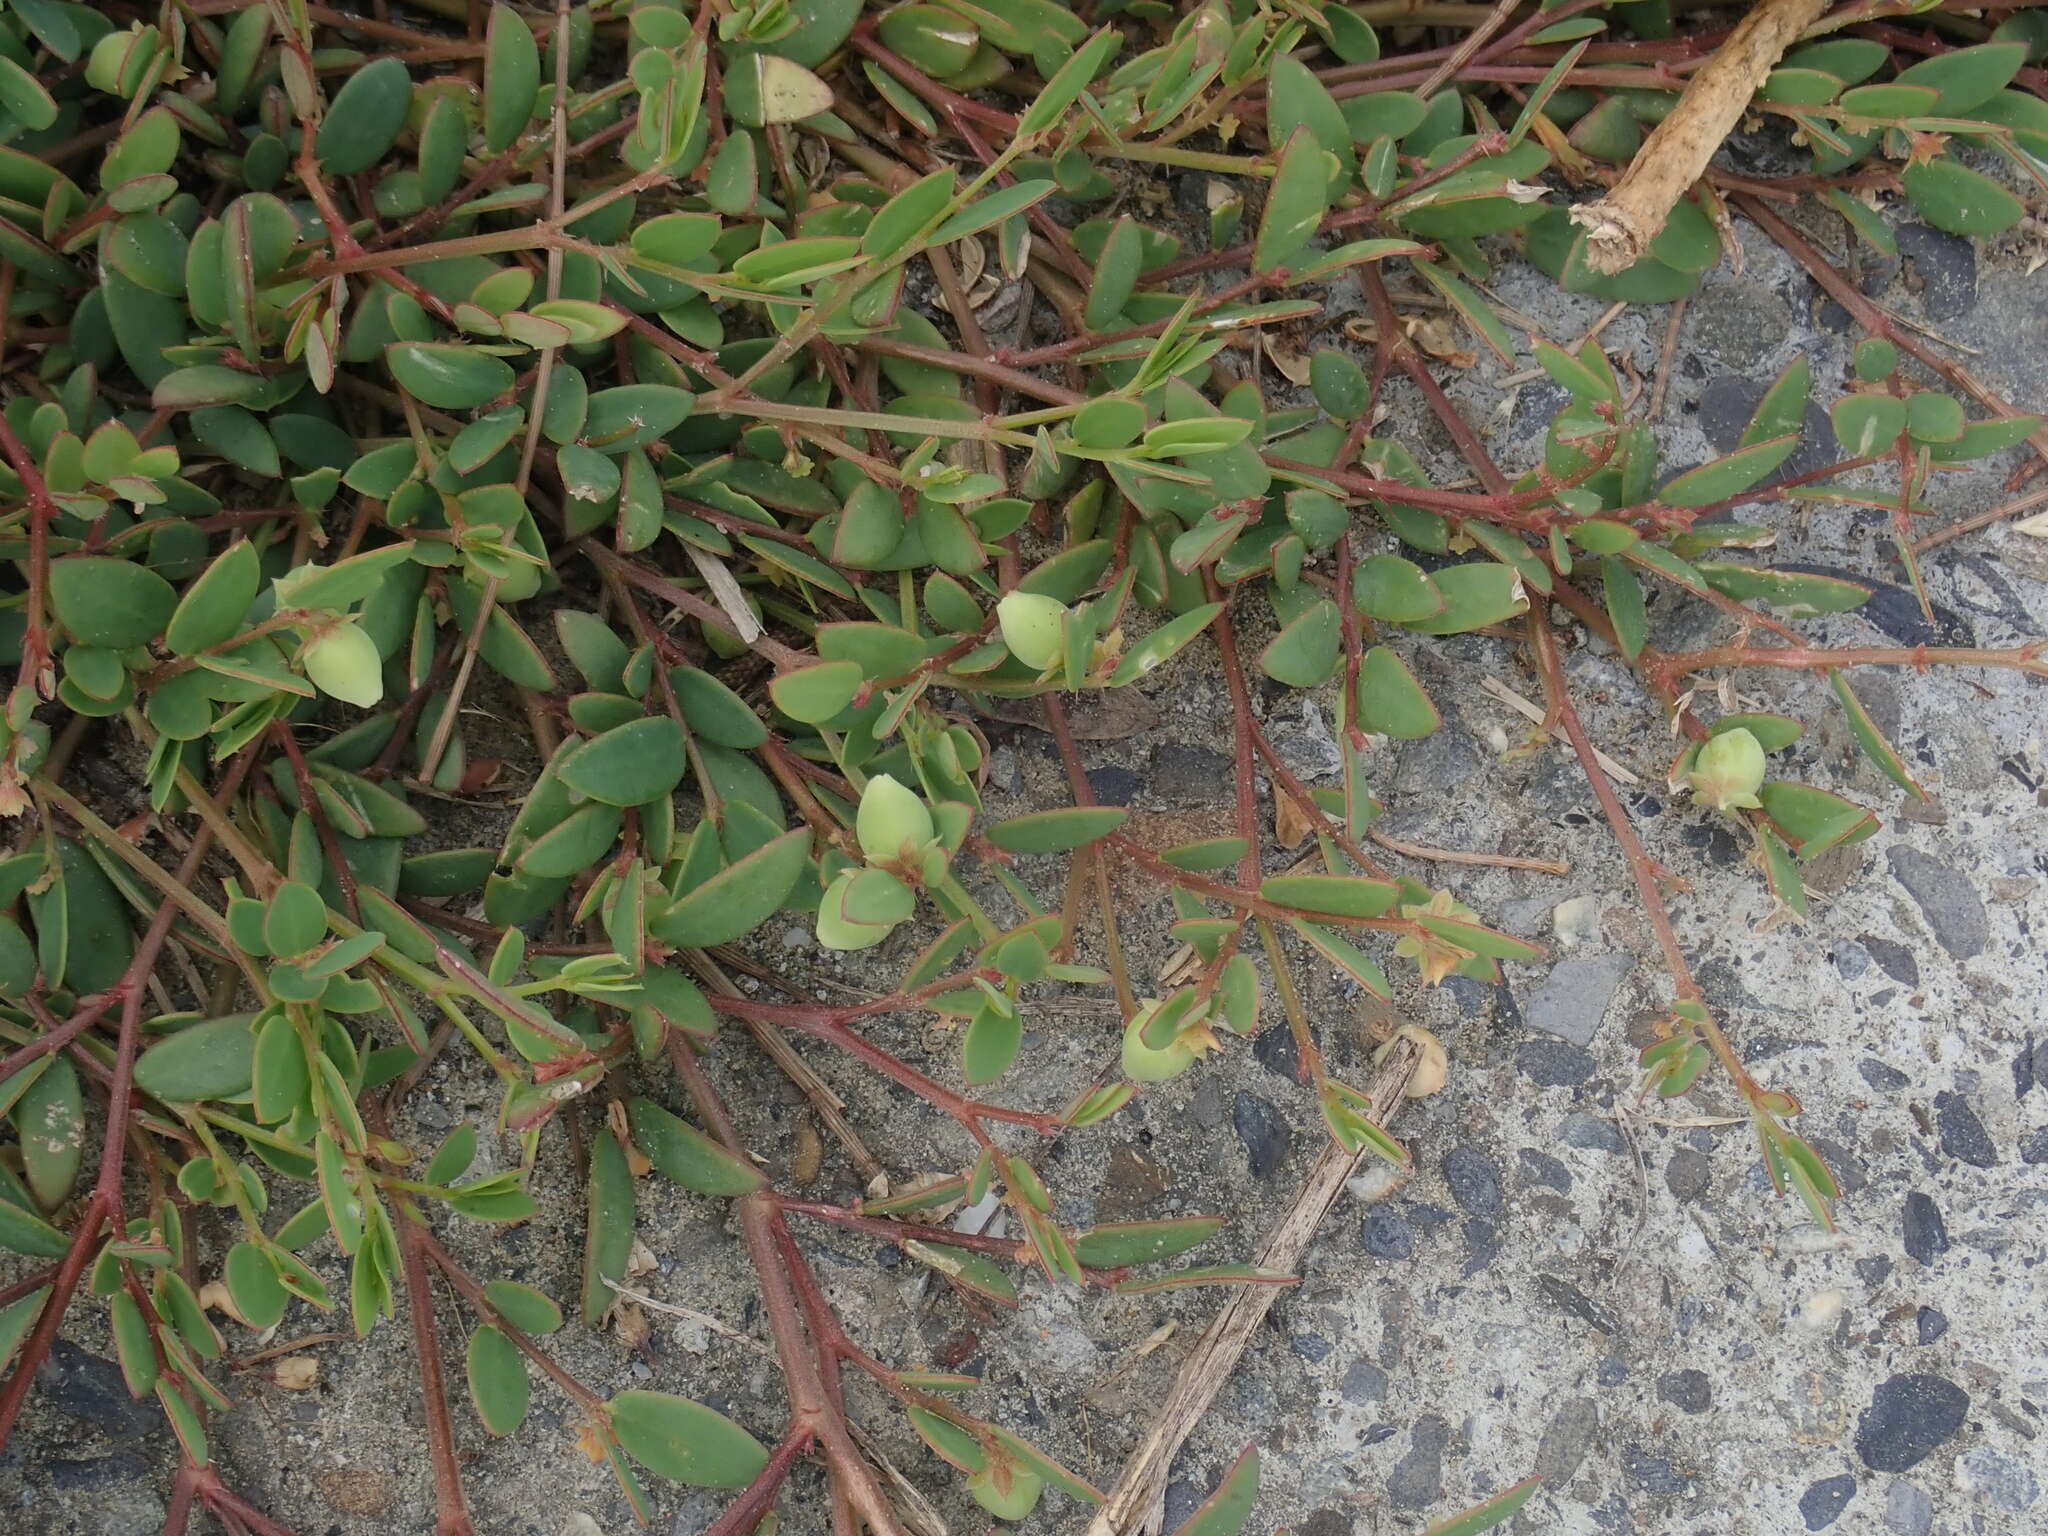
{"x": 343, "y": 663}
{"x": 1031, "y": 628}
{"x": 1728, "y": 770}
{"x": 892, "y": 823}
{"x": 836, "y": 930}
{"x": 1144, "y": 1064}
{"x": 1011, "y": 1503}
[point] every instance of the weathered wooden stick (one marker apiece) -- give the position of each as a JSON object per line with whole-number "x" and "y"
{"x": 1208, "y": 1366}
{"x": 1622, "y": 224}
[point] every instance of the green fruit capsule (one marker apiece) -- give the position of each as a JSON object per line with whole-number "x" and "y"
{"x": 343, "y": 663}
{"x": 1145, "y": 1064}
{"x": 1011, "y": 1503}
{"x": 838, "y": 931}
{"x": 1031, "y": 626}
{"x": 893, "y": 823}
{"x": 1728, "y": 770}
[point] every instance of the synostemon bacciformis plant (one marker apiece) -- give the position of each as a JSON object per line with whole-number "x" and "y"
{"x": 626, "y": 364}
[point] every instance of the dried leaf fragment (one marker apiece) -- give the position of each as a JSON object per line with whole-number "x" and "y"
{"x": 1432, "y": 1071}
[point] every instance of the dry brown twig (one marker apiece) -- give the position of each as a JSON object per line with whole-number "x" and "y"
{"x": 1131, "y": 1504}
{"x": 1622, "y": 224}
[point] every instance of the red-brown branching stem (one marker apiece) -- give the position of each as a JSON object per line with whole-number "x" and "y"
{"x": 27, "y": 1285}
{"x": 2026, "y": 658}
{"x": 970, "y": 1113}
{"x": 1648, "y": 875}
{"x": 681, "y": 597}
{"x": 813, "y": 1411}
{"x": 961, "y": 109}
{"x": 473, "y": 1294}
{"x": 1388, "y": 324}
{"x": 104, "y": 1204}
{"x": 36, "y": 669}
{"x": 451, "y": 1505}
{"x": 1873, "y": 319}
{"x": 746, "y": 1512}
{"x": 1096, "y": 857}
{"x": 55, "y": 1039}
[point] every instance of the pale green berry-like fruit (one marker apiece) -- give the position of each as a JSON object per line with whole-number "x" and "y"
{"x": 1145, "y": 1064}
{"x": 103, "y": 66}
{"x": 1012, "y": 1503}
{"x": 343, "y": 663}
{"x": 836, "y": 930}
{"x": 1728, "y": 770}
{"x": 892, "y": 821}
{"x": 1031, "y": 627}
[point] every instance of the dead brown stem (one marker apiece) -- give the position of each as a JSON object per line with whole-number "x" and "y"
{"x": 1209, "y": 1365}
{"x": 1623, "y": 223}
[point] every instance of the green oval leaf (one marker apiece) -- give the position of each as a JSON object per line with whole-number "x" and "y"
{"x": 294, "y": 920}
{"x": 676, "y": 1438}
{"x": 50, "y": 1118}
{"x": 210, "y": 1060}
{"x": 1812, "y": 820}
{"x": 632, "y": 764}
{"x": 714, "y": 711}
{"x": 18, "y": 1316}
{"x": 24, "y": 1232}
{"x": 1951, "y": 196}
{"x": 738, "y": 898}
{"x": 686, "y": 1155}
{"x": 1485, "y": 1516}
{"x": 1390, "y": 701}
{"x": 816, "y": 693}
{"x": 1143, "y": 1242}
{"x": 1056, "y": 831}
{"x": 1305, "y": 653}
{"x": 1867, "y": 424}
{"x": 511, "y": 77}
{"x": 1728, "y": 476}
{"x": 608, "y": 1226}
{"x": 133, "y": 1346}
{"x": 1225, "y": 1511}
{"x": 989, "y": 1044}
{"x": 498, "y": 1384}
{"x": 447, "y": 376}
{"x": 1295, "y": 202}
{"x": 252, "y": 1280}
{"x": 108, "y": 602}
{"x": 364, "y": 119}
{"x": 523, "y": 1307}
{"x": 213, "y": 608}
{"x": 1338, "y": 895}
{"x": 1475, "y": 594}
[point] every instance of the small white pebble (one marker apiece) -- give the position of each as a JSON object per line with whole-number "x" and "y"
{"x": 1575, "y": 921}
{"x": 1817, "y": 1314}
{"x": 1372, "y": 1183}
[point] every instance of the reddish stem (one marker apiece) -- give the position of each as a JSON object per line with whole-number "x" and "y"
{"x": 813, "y": 1411}
{"x": 2025, "y": 658}
{"x": 1875, "y": 320}
{"x": 450, "y": 1503}
{"x": 37, "y": 669}
{"x": 1016, "y": 1250}
{"x": 105, "y": 1202}
{"x": 758, "y": 1497}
